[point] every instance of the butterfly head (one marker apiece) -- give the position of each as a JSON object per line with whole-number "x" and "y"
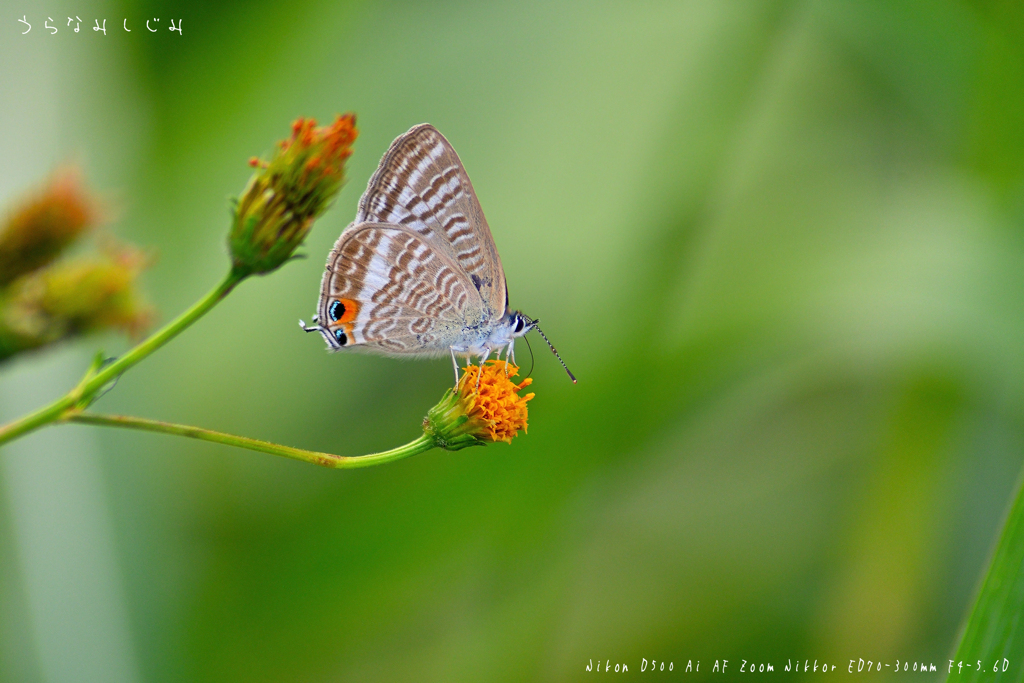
{"x": 521, "y": 324}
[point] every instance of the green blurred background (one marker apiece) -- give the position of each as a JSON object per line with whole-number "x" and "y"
{"x": 780, "y": 243}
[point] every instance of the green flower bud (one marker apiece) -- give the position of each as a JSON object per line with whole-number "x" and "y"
{"x": 72, "y": 297}
{"x": 287, "y": 194}
{"x": 38, "y": 229}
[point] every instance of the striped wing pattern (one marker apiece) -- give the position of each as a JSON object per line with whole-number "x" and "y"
{"x": 404, "y": 296}
{"x": 422, "y": 185}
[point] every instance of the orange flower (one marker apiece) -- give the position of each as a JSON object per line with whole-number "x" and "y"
{"x": 486, "y": 407}
{"x": 286, "y": 194}
{"x": 497, "y": 402}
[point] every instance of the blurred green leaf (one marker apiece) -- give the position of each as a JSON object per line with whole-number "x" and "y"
{"x": 993, "y": 638}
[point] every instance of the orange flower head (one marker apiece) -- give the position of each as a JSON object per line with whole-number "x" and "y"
{"x": 485, "y": 407}
{"x": 288, "y": 193}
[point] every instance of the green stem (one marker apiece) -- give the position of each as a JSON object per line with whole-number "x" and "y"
{"x": 420, "y": 445}
{"x": 94, "y": 383}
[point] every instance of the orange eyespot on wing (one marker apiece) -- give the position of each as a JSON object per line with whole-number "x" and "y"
{"x": 341, "y": 311}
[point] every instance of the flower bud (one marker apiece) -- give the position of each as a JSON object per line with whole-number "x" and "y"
{"x": 36, "y": 231}
{"x": 72, "y": 297}
{"x": 485, "y": 407}
{"x": 285, "y": 195}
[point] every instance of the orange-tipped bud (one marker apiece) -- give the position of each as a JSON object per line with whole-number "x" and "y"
{"x": 41, "y": 226}
{"x": 287, "y": 194}
{"x": 73, "y": 297}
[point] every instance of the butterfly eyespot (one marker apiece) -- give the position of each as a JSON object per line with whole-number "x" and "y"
{"x": 339, "y": 334}
{"x": 342, "y": 310}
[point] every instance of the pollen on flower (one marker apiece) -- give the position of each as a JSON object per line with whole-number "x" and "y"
{"x": 492, "y": 399}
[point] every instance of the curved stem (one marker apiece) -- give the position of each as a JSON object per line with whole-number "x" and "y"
{"x": 93, "y": 383}
{"x": 420, "y": 445}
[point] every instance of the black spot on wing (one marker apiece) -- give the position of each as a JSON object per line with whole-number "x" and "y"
{"x": 479, "y": 282}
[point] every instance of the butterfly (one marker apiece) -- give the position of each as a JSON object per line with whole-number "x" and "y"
{"x": 417, "y": 273}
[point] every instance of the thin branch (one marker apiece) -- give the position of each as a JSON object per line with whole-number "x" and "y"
{"x": 97, "y": 378}
{"x": 420, "y": 445}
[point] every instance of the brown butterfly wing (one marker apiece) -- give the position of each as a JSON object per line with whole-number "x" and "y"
{"x": 422, "y": 185}
{"x": 387, "y": 290}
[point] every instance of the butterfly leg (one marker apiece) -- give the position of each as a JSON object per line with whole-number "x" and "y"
{"x": 483, "y": 358}
{"x": 455, "y": 365}
{"x": 510, "y": 354}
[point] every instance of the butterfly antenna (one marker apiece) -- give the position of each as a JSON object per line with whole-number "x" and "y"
{"x": 551, "y": 346}
{"x": 532, "y": 359}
